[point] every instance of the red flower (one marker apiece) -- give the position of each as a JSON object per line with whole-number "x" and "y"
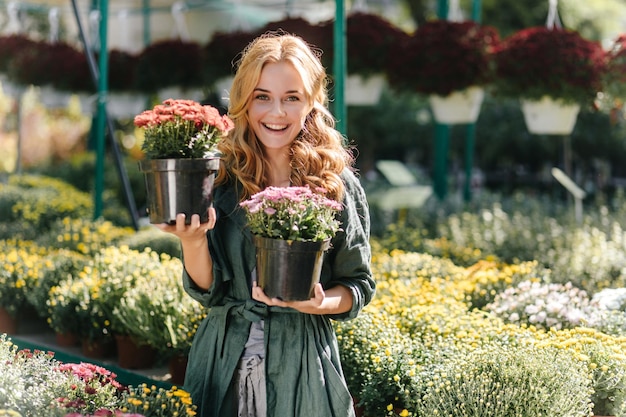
{"x": 370, "y": 40}
{"x": 615, "y": 76}
{"x": 538, "y": 61}
{"x": 182, "y": 129}
{"x": 444, "y": 56}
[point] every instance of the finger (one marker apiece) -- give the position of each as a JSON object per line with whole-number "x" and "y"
{"x": 180, "y": 222}
{"x": 195, "y": 221}
{"x": 319, "y": 291}
{"x": 212, "y": 218}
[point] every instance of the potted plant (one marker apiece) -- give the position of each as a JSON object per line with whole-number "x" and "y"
{"x": 614, "y": 78}
{"x": 549, "y": 69}
{"x": 124, "y": 97}
{"x": 18, "y": 275}
{"x": 219, "y": 56}
{"x": 171, "y": 68}
{"x": 180, "y": 136}
{"x": 291, "y": 227}
{"x": 10, "y": 45}
{"x": 451, "y": 62}
{"x": 319, "y": 36}
{"x": 370, "y": 39}
{"x": 57, "y": 68}
{"x": 167, "y": 322}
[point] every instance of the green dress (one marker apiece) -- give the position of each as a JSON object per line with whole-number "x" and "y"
{"x": 304, "y": 377}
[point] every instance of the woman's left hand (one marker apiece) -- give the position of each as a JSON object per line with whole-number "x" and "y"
{"x": 310, "y": 306}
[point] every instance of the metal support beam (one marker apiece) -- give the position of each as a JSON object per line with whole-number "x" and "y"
{"x": 103, "y": 122}
{"x": 146, "y": 23}
{"x": 101, "y": 108}
{"x": 470, "y": 134}
{"x": 340, "y": 66}
{"x": 442, "y": 134}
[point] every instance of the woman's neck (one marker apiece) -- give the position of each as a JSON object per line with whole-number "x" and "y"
{"x": 280, "y": 170}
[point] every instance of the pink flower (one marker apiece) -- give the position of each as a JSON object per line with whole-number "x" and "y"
{"x": 182, "y": 129}
{"x": 292, "y": 213}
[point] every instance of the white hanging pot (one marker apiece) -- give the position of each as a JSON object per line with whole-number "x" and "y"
{"x": 458, "y": 107}
{"x": 53, "y": 98}
{"x": 222, "y": 87}
{"x": 549, "y": 116}
{"x": 123, "y": 105}
{"x": 363, "y": 91}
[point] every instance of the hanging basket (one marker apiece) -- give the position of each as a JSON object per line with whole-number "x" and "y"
{"x": 53, "y": 98}
{"x": 124, "y": 105}
{"x": 364, "y": 91}
{"x": 289, "y": 269}
{"x": 549, "y": 117}
{"x": 458, "y": 107}
{"x": 222, "y": 88}
{"x": 179, "y": 186}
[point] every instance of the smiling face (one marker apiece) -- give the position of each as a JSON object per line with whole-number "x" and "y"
{"x": 278, "y": 106}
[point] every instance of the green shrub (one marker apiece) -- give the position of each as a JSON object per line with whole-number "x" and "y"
{"x": 497, "y": 380}
{"x": 155, "y": 239}
{"x": 83, "y": 235}
{"x": 20, "y": 271}
{"x": 41, "y": 201}
{"x": 56, "y": 265}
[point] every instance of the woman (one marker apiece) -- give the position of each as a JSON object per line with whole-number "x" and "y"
{"x": 252, "y": 355}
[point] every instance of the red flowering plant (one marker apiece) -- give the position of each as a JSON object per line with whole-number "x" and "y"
{"x": 169, "y": 62}
{"x": 614, "y": 79}
{"x": 98, "y": 389}
{"x": 444, "y": 56}
{"x": 319, "y": 36}
{"x": 182, "y": 129}
{"x": 59, "y": 65}
{"x": 292, "y": 213}
{"x": 10, "y": 45}
{"x": 559, "y": 63}
{"x": 370, "y": 39}
{"x": 123, "y": 74}
{"x": 220, "y": 54}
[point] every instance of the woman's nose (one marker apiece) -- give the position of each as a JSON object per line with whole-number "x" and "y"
{"x": 279, "y": 108}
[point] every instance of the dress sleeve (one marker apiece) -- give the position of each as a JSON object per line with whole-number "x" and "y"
{"x": 351, "y": 254}
{"x": 205, "y": 297}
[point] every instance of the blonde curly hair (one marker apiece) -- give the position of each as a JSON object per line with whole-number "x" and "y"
{"x": 318, "y": 155}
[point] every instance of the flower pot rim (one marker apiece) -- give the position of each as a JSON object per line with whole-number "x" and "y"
{"x": 265, "y": 241}
{"x": 175, "y": 164}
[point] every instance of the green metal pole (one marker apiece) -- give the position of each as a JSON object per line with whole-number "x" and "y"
{"x": 146, "y": 22}
{"x": 477, "y": 11}
{"x": 101, "y": 111}
{"x": 470, "y": 134}
{"x": 442, "y": 9}
{"x": 340, "y": 66}
{"x": 470, "y": 139}
{"x": 442, "y": 134}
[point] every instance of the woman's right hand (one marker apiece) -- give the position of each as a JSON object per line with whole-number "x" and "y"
{"x": 194, "y": 230}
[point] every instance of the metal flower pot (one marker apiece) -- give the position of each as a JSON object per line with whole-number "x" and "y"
{"x": 179, "y": 186}
{"x": 289, "y": 269}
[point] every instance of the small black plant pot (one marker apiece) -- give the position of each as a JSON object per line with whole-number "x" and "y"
{"x": 179, "y": 186}
{"x": 289, "y": 269}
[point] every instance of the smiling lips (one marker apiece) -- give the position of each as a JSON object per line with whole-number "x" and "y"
{"x": 275, "y": 127}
